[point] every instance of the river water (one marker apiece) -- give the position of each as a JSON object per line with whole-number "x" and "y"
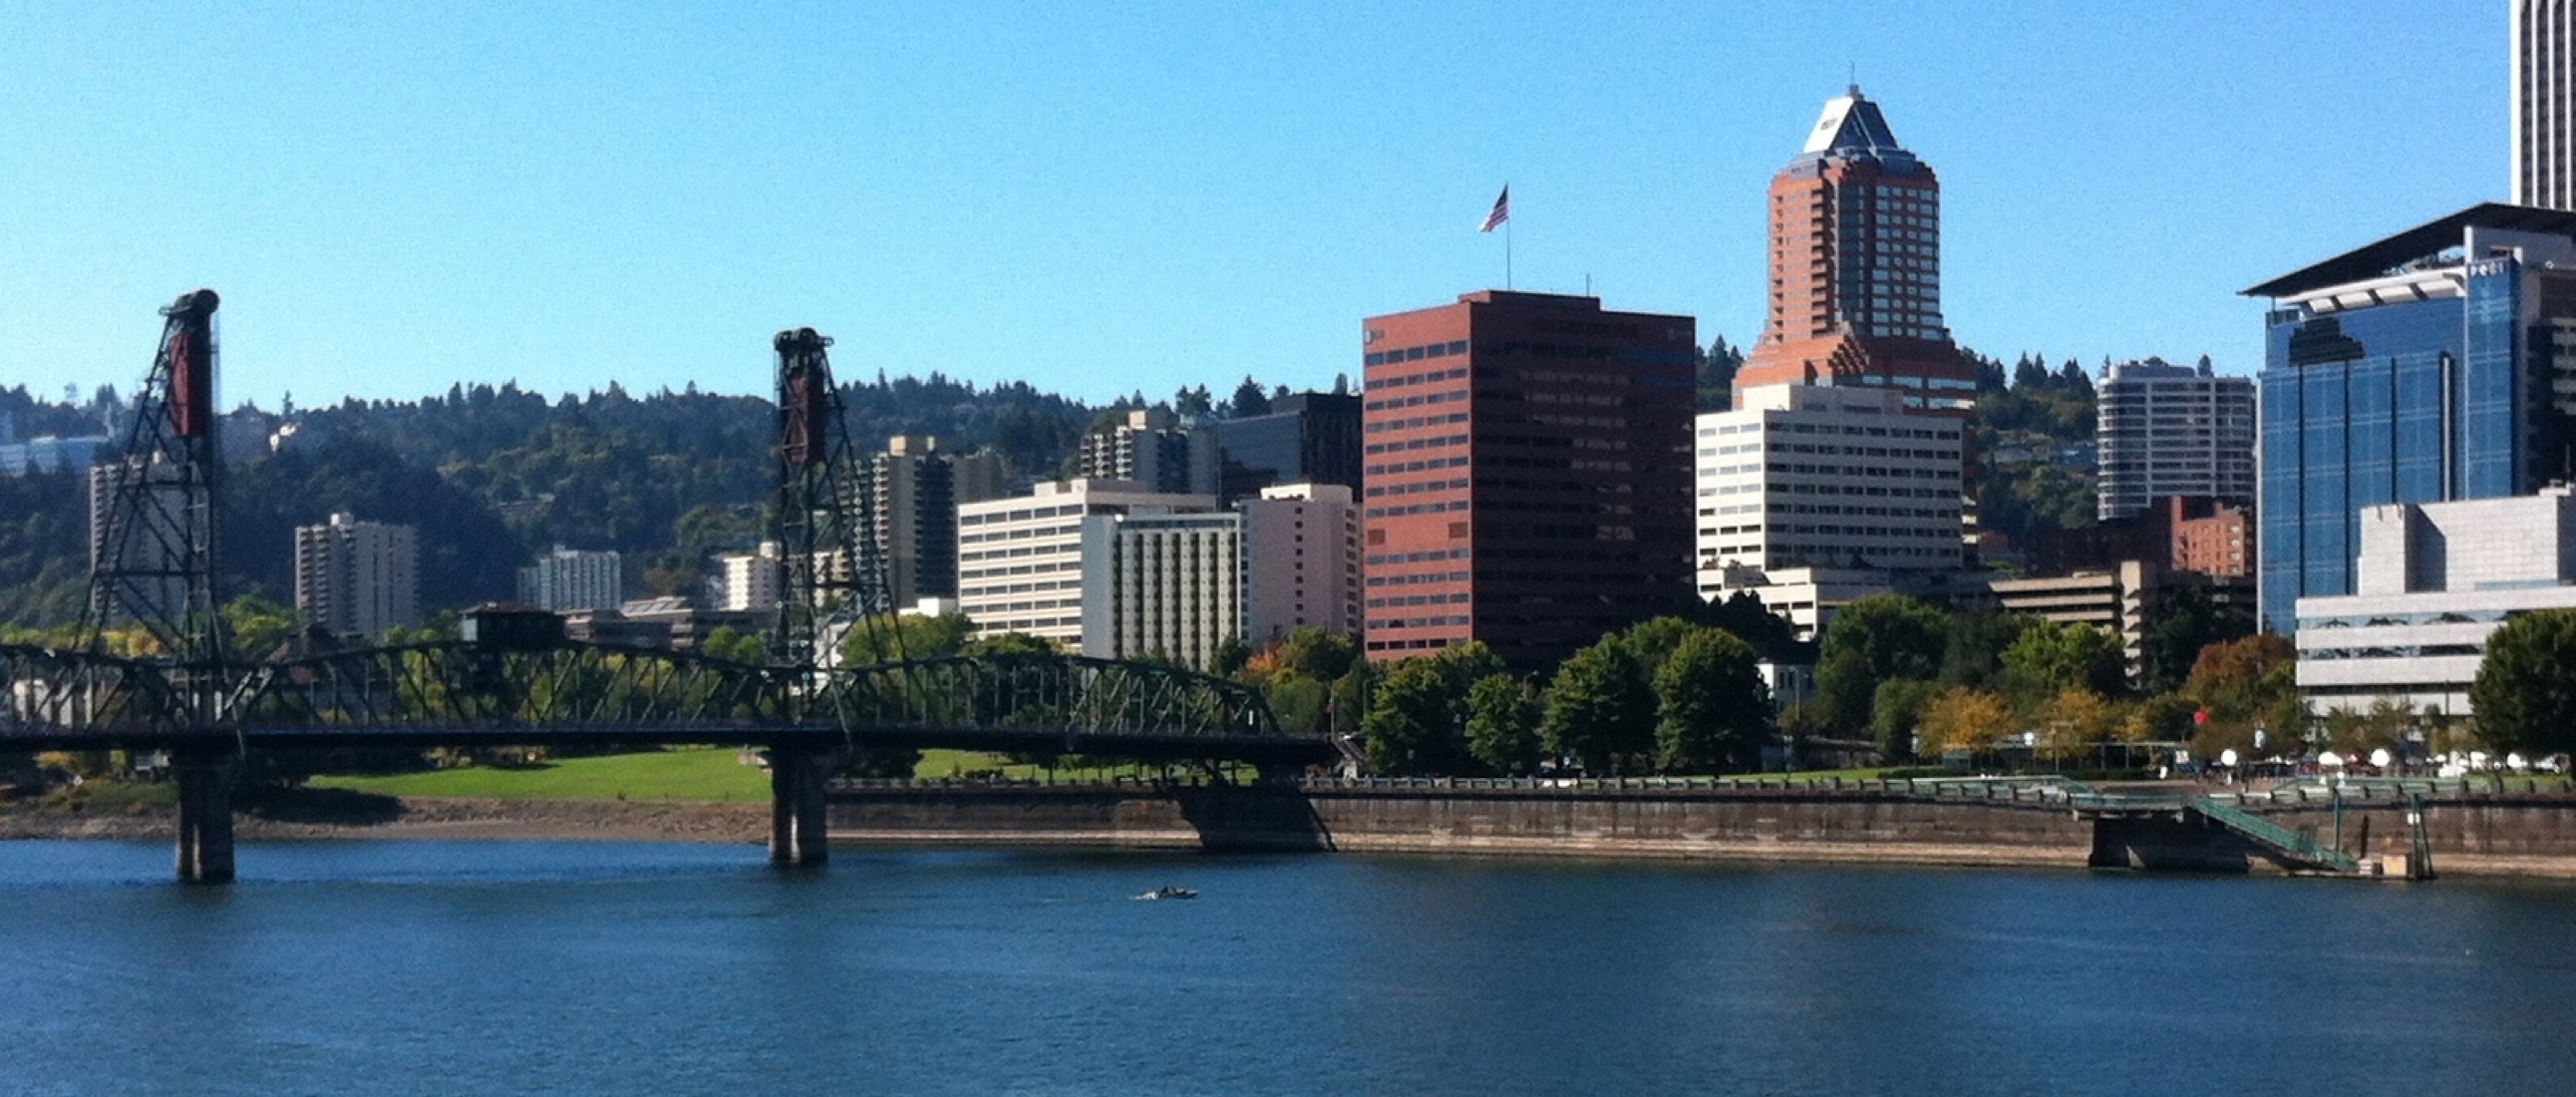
{"x": 579, "y": 968}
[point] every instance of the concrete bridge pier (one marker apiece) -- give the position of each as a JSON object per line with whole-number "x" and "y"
{"x": 205, "y": 816}
{"x": 798, "y": 783}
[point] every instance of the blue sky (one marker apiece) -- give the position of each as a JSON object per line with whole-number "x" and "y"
{"x": 1103, "y": 197}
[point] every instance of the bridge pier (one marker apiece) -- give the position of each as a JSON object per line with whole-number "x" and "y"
{"x": 798, "y": 782}
{"x": 205, "y": 817}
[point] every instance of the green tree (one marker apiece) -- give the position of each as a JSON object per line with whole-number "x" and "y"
{"x": 1712, "y": 707}
{"x": 1353, "y": 692}
{"x": 1412, "y": 728}
{"x": 1874, "y": 639}
{"x": 1897, "y": 710}
{"x": 2187, "y": 620}
{"x": 2525, "y": 692}
{"x": 2051, "y": 658}
{"x": 1973, "y": 646}
{"x": 905, "y": 637}
{"x": 1010, "y": 643}
{"x": 1502, "y": 724}
{"x": 1248, "y": 400}
{"x": 1654, "y": 640}
{"x": 1600, "y": 709}
{"x": 256, "y": 626}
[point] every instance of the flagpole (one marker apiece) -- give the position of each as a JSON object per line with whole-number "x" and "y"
{"x": 1507, "y": 254}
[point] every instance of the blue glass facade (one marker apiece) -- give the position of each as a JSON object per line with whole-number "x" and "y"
{"x": 2369, "y": 406}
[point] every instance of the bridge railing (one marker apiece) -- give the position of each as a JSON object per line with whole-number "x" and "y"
{"x": 51, "y": 691}
{"x": 1041, "y": 693}
{"x": 461, "y": 684}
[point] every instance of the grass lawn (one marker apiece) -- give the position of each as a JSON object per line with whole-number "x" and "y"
{"x": 697, "y": 773}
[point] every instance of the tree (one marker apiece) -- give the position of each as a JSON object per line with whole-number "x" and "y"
{"x": 1502, "y": 724}
{"x": 1412, "y": 728}
{"x": 2072, "y": 722}
{"x": 2051, "y": 658}
{"x": 885, "y": 640}
{"x": 1654, "y": 640}
{"x": 2187, "y": 620}
{"x": 2244, "y": 685}
{"x": 1897, "y": 710}
{"x": 1711, "y": 704}
{"x": 1009, "y": 643}
{"x": 1973, "y": 647}
{"x": 1600, "y": 708}
{"x": 1962, "y": 718}
{"x": 2525, "y": 692}
{"x": 1248, "y": 400}
{"x": 1871, "y": 640}
{"x": 1744, "y": 615}
{"x": 1230, "y": 657}
{"x": 1308, "y": 652}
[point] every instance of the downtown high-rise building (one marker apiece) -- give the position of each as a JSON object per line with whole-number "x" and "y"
{"x": 2434, "y": 365}
{"x": 919, "y": 487}
{"x": 567, "y": 580}
{"x": 1527, "y": 463}
{"x": 2166, "y": 430}
{"x": 2544, "y": 103}
{"x": 356, "y": 578}
{"x": 1855, "y": 268}
{"x": 1305, "y": 438}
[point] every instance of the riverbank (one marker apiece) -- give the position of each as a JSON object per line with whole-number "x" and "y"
{"x": 422, "y": 818}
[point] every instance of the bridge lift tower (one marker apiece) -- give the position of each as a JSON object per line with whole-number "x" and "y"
{"x": 824, "y": 522}
{"x": 152, "y": 563}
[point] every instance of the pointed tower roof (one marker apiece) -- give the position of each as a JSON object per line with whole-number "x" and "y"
{"x": 1852, "y": 128}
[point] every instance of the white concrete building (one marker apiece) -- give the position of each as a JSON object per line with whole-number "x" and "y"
{"x": 2433, "y": 581}
{"x": 573, "y": 579}
{"x": 750, "y": 581}
{"x": 1805, "y": 491}
{"x": 1167, "y": 585}
{"x": 357, "y": 578}
{"x": 1301, "y": 561}
{"x": 1019, "y": 560}
{"x": 1807, "y": 597}
{"x": 2172, "y": 430}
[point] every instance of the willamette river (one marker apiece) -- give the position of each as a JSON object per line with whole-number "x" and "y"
{"x": 546, "y": 967}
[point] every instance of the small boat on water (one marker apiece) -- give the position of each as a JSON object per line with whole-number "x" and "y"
{"x": 1169, "y": 892}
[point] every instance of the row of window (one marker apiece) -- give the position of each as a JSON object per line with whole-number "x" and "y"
{"x": 1442, "y": 442}
{"x": 1398, "y": 601}
{"x": 1417, "y": 580}
{"x": 1384, "y": 425}
{"x": 1376, "y": 558}
{"x": 1932, "y": 433}
{"x": 1415, "y": 354}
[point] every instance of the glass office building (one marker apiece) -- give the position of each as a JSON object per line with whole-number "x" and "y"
{"x": 2436, "y": 364}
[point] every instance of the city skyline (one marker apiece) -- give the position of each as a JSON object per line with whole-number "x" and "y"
{"x": 1038, "y": 200}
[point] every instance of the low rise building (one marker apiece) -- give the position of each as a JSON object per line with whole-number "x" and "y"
{"x": 1020, "y": 560}
{"x": 1815, "y": 478}
{"x": 2432, "y": 582}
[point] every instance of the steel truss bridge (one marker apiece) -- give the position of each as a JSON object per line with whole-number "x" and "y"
{"x": 522, "y": 686}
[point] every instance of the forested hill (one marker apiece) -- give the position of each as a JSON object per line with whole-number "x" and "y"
{"x": 494, "y": 475}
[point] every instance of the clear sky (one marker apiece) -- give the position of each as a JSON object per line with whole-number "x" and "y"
{"x": 1108, "y": 196}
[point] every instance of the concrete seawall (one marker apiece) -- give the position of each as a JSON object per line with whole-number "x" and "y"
{"x": 2520, "y": 835}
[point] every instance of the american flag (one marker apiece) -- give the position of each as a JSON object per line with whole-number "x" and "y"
{"x": 1502, "y": 211}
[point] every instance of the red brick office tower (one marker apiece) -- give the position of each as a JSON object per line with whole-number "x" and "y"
{"x": 1856, "y": 268}
{"x": 1528, "y": 475}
